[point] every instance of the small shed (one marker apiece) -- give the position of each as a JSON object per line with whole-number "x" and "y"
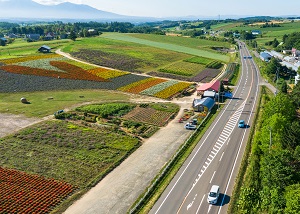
{"x": 205, "y": 104}
{"x": 44, "y": 49}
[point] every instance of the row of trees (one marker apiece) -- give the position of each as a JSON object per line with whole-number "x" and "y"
{"x": 62, "y": 28}
{"x": 271, "y": 183}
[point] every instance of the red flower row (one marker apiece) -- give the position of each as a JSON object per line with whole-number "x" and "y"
{"x": 25, "y": 193}
{"x": 72, "y": 71}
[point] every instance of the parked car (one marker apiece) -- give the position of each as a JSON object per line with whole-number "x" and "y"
{"x": 213, "y": 194}
{"x": 242, "y": 124}
{"x": 190, "y": 126}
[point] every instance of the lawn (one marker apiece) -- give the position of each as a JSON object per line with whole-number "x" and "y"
{"x": 46, "y": 103}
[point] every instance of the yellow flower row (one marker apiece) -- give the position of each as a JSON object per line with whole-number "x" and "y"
{"x": 107, "y": 73}
{"x": 134, "y": 84}
{"x": 172, "y": 90}
{"x": 81, "y": 65}
{"x": 29, "y": 58}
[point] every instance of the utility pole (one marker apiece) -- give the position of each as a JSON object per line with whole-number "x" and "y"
{"x": 270, "y": 129}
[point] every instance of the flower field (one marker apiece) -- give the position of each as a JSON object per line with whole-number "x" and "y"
{"x": 107, "y": 73}
{"x": 58, "y": 73}
{"x": 172, "y": 90}
{"x": 149, "y": 115}
{"x": 25, "y": 193}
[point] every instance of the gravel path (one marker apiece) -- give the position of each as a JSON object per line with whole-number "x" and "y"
{"x": 11, "y": 123}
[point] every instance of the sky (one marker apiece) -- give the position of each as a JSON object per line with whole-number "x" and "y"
{"x": 179, "y": 8}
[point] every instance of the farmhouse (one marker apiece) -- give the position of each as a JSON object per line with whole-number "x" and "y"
{"x": 44, "y": 49}
{"x": 33, "y": 37}
{"x": 256, "y": 32}
{"x": 205, "y": 104}
{"x": 265, "y": 56}
{"x": 212, "y": 86}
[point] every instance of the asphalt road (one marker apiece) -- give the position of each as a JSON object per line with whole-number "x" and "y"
{"x": 217, "y": 157}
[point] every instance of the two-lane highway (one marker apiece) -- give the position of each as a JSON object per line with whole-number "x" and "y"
{"x": 217, "y": 157}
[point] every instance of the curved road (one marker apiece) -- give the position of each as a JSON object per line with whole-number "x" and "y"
{"x": 217, "y": 157}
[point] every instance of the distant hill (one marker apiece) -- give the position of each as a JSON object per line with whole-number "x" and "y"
{"x": 28, "y": 9}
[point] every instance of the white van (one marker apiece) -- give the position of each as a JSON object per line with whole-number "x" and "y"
{"x": 213, "y": 194}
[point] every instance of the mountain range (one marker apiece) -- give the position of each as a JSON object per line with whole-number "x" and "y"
{"x": 28, "y": 9}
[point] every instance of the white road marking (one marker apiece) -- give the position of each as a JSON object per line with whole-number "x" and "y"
{"x": 200, "y": 204}
{"x": 212, "y": 177}
{"x": 209, "y": 208}
{"x": 191, "y": 204}
{"x": 221, "y": 156}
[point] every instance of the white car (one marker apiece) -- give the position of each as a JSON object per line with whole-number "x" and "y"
{"x": 190, "y": 126}
{"x": 213, "y": 194}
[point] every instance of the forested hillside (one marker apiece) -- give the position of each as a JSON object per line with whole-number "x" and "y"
{"x": 271, "y": 183}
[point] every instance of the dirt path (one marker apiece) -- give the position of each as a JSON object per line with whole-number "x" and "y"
{"x": 11, "y": 123}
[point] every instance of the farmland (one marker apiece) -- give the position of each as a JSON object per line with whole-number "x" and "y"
{"x": 39, "y": 73}
{"x": 76, "y": 153}
{"x": 64, "y": 152}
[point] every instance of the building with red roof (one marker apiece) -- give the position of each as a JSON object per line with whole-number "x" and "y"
{"x": 212, "y": 86}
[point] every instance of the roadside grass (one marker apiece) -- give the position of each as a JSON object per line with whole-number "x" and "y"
{"x": 177, "y": 163}
{"x": 177, "y": 44}
{"x": 46, "y": 103}
{"x": 240, "y": 179}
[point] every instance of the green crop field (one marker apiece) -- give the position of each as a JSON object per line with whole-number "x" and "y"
{"x": 190, "y": 46}
{"x": 183, "y": 68}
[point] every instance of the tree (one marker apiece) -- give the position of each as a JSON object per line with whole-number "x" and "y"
{"x": 275, "y": 43}
{"x": 284, "y": 87}
{"x": 72, "y": 36}
{"x": 2, "y": 42}
{"x": 292, "y": 196}
{"x": 295, "y": 95}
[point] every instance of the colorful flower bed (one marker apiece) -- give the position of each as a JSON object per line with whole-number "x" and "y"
{"x": 159, "y": 87}
{"x": 72, "y": 72}
{"x": 80, "y": 64}
{"x": 42, "y": 63}
{"x": 107, "y": 73}
{"x": 25, "y": 193}
{"x": 54, "y": 66}
{"x": 29, "y": 58}
{"x": 148, "y": 84}
{"x": 172, "y": 90}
